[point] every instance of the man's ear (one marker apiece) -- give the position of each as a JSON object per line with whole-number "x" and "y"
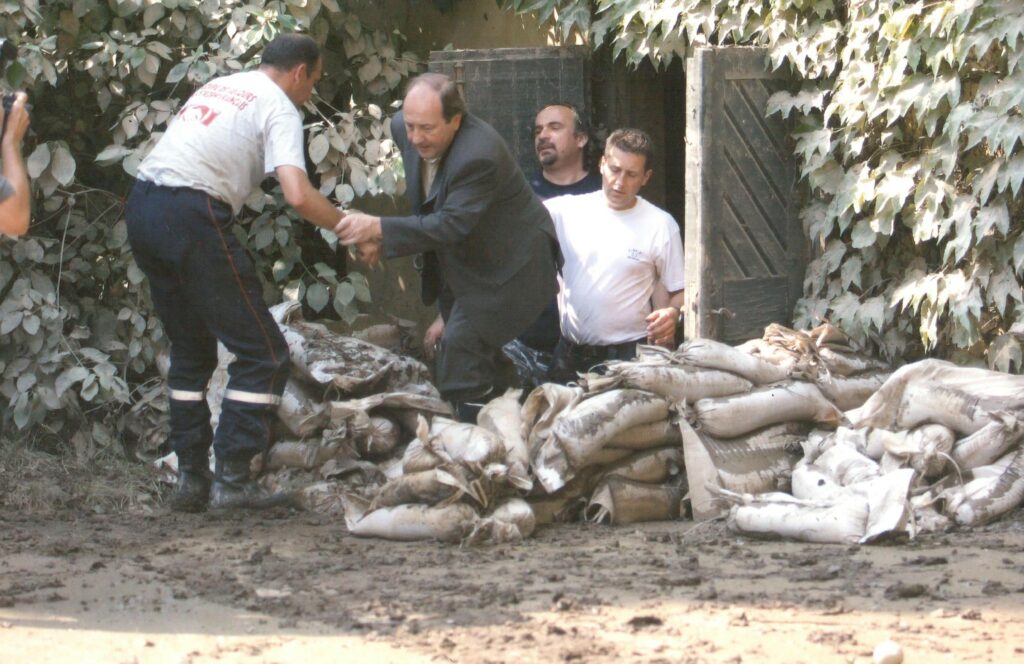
{"x": 647, "y": 176}
{"x": 581, "y": 140}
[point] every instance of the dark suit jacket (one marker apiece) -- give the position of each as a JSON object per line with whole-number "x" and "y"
{"x": 481, "y": 229}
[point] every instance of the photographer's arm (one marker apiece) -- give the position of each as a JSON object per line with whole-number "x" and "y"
{"x": 15, "y": 210}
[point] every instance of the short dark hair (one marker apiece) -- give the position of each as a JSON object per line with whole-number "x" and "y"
{"x": 287, "y": 51}
{"x": 634, "y": 141}
{"x": 579, "y": 125}
{"x": 452, "y": 102}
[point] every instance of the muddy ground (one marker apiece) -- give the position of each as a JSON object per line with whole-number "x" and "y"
{"x": 289, "y": 587}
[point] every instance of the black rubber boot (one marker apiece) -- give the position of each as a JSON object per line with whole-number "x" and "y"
{"x": 192, "y": 493}
{"x": 467, "y": 409}
{"x": 234, "y": 488}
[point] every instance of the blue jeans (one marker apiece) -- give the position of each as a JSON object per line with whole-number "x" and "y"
{"x": 205, "y": 288}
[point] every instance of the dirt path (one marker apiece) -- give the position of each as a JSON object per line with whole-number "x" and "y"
{"x": 289, "y": 587}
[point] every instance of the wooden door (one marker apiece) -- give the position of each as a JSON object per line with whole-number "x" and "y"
{"x": 745, "y": 248}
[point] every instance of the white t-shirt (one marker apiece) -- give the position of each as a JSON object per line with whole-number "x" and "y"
{"x": 613, "y": 259}
{"x": 229, "y": 135}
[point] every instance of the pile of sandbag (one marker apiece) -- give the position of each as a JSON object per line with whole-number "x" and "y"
{"x": 936, "y": 445}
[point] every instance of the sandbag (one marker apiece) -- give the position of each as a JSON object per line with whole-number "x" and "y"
{"x": 675, "y": 382}
{"x": 503, "y": 417}
{"x": 990, "y": 496}
{"x": 712, "y": 354}
{"x": 651, "y": 467}
{"x": 988, "y": 443}
{"x": 577, "y": 435}
{"x": 649, "y": 436}
{"x": 450, "y": 523}
{"x": 728, "y": 417}
{"x": 618, "y": 501}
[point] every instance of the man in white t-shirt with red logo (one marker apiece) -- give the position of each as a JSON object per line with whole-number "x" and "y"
{"x": 622, "y": 282}
{"x": 226, "y": 139}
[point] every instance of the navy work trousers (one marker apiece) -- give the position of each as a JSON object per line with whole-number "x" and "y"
{"x": 205, "y": 288}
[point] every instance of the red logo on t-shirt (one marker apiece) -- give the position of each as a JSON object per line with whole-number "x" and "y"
{"x": 198, "y": 113}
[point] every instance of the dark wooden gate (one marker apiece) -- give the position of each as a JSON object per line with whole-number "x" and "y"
{"x": 745, "y": 248}
{"x": 507, "y": 86}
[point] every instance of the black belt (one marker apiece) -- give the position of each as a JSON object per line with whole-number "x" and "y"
{"x": 588, "y": 350}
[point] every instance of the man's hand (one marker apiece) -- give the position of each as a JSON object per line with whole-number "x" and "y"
{"x": 357, "y": 228}
{"x": 661, "y": 326}
{"x": 17, "y": 123}
{"x": 432, "y": 338}
{"x": 369, "y": 252}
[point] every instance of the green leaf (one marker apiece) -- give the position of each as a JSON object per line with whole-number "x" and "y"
{"x": 317, "y": 296}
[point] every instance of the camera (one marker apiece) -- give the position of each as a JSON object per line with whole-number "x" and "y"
{"x": 8, "y": 51}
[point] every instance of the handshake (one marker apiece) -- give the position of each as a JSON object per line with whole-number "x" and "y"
{"x": 362, "y": 231}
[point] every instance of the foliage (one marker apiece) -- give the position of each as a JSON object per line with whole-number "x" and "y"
{"x": 77, "y": 333}
{"x": 910, "y": 141}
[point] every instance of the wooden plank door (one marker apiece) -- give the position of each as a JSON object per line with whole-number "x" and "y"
{"x": 745, "y": 248}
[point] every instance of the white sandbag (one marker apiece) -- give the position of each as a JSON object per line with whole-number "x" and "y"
{"x": 846, "y": 465}
{"x": 577, "y": 435}
{"x": 675, "y": 382}
{"x": 988, "y": 497}
{"x": 712, "y": 354}
{"x": 618, "y": 501}
{"x": 926, "y": 449}
{"x": 417, "y": 457}
{"x": 889, "y": 508}
{"x": 781, "y": 515}
{"x": 450, "y": 523}
{"x": 649, "y": 436}
{"x": 848, "y": 392}
{"x": 728, "y": 417}
{"x": 966, "y": 394}
{"x": 503, "y": 417}
{"x": 988, "y": 443}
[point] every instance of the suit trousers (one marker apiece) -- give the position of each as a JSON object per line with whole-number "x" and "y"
{"x": 205, "y": 288}
{"x": 468, "y": 365}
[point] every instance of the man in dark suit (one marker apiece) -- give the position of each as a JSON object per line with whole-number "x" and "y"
{"x": 489, "y": 247}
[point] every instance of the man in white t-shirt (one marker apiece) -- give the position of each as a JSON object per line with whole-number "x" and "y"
{"x": 227, "y": 138}
{"x": 622, "y": 282}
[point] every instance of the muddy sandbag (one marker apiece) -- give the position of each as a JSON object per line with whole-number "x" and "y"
{"x": 989, "y": 443}
{"x": 306, "y": 455}
{"x": 449, "y": 523}
{"x": 503, "y": 417}
{"x": 618, "y": 501}
{"x": 418, "y": 457}
{"x": 567, "y": 503}
{"x": 301, "y": 410}
{"x": 651, "y": 467}
{"x": 383, "y": 436}
{"x": 926, "y": 449}
{"x": 544, "y": 404}
{"x": 577, "y": 435}
{"x": 848, "y": 392}
{"x": 350, "y": 365}
{"x": 675, "y": 382}
{"x": 759, "y": 462}
{"x": 512, "y": 521}
{"x": 322, "y": 497}
{"x": 962, "y": 398}
{"x": 430, "y": 487}
{"x": 992, "y": 492}
{"x": 839, "y": 363}
{"x": 649, "y": 436}
{"x": 712, "y": 354}
{"x": 460, "y": 442}
{"x": 729, "y": 417}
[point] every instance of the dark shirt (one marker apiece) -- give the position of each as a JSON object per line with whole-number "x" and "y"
{"x": 544, "y": 332}
{"x": 545, "y": 189}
